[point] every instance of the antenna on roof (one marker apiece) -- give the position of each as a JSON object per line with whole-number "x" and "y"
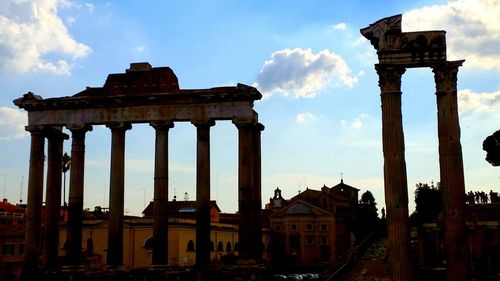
{"x": 4, "y": 179}
{"x": 341, "y": 177}
{"x": 21, "y": 190}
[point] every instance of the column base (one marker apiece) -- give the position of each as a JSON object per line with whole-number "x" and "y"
{"x": 246, "y": 262}
{"x": 159, "y": 267}
{"x": 72, "y": 268}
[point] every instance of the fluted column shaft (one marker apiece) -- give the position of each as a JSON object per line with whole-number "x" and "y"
{"x": 256, "y": 192}
{"x": 246, "y": 207}
{"x": 160, "y": 211}
{"x": 76, "y": 190}
{"x": 451, "y": 171}
{"x": 203, "y": 194}
{"x": 34, "y": 209}
{"x": 53, "y": 198}
{"x": 395, "y": 179}
{"x": 116, "y": 194}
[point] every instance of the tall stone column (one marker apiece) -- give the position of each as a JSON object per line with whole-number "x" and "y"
{"x": 246, "y": 207}
{"x": 256, "y": 192}
{"x": 34, "y": 209}
{"x": 116, "y": 194}
{"x": 451, "y": 171}
{"x": 160, "y": 211}
{"x": 396, "y": 186}
{"x": 75, "y": 200}
{"x": 203, "y": 194}
{"x": 53, "y": 197}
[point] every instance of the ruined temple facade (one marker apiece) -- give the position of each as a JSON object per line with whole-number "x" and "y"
{"x": 396, "y": 52}
{"x": 143, "y": 94}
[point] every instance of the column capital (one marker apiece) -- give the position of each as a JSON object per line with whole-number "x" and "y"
{"x": 35, "y": 129}
{"x": 119, "y": 126}
{"x": 389, "y": 77}
{"x": 163, "y": 124}
{"x": 55, "y": 132}
{"x": 79, "y": 128}
{"x": 445, "y": 75}
{"x": 203, "y": 122}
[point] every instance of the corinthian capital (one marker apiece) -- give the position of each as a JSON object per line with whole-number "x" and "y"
{"x": 389, "y": 77}
{"x": 445, "y": 76}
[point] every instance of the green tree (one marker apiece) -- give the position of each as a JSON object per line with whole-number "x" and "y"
{"x": 368, "y": 220}
{"x": 66, "y": 164}
{"x": 428, "y": 204}
{"x": 492, "y": 147}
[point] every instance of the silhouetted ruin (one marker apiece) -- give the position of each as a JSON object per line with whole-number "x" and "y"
{"x": 142, "y": 94}
{"x": 396, "y": 52}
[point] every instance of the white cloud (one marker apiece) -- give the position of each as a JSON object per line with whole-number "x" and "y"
{"x": 306, "y": 117}
{"x": 340, "y": 26}
{"x": 12, "y": 122}
{"x": 469, "y": 101}
{"x": 31, "y": 31}
{"x": 70, "y": 20}
{"x": 141, "y": 49}
{"x": 472, "y": 29}
{"x": 302, "y": 73}
{"x": 90, "y": 7}
{"x": 357, "y": 123}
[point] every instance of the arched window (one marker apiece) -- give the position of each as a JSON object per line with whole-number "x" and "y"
{"x": 220, "y": 247}
{"x": 148, "y": 244}
{"x": 212, "y": 246}
{"x": 190, "y": 246}
{"x": 228, "y": 247}
{"x": 236, "y": 247}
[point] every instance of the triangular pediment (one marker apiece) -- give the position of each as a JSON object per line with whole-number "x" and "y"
{"x": 301, "y": 208}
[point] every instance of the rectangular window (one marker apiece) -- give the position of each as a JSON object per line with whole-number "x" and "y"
{"x": 294, "y": 227}
{"x": 22, "y": 248}
{"x": 8, "y": 249}
{"x": 277, "y": 227}
{"x": 309, "y": 227}
{"x": 324, "y": 240}
{"x": 294, "y": 241}
{"x": 309, "y": 240}
{"x": 324, "y": 227}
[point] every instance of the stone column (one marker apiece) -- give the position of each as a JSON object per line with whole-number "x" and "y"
{"x": 451, "y": 171}
{"x": 256, "y": 192}
{"x": 116, "y": 194}
{"x": 203, "y": 194}
{"x": 396, "y": 186}
{"x": 53, "y": 197}
{"x": 246, "y": 207}
{"x": 160, "y": 211}
{"x": 34, "y": 208}
{"x": 75, "y": 200}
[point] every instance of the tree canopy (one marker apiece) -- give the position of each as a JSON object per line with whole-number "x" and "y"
{"x": 368, "y": 220}
{"x": 492, "y": 147}
{"x": 428, "y": 203}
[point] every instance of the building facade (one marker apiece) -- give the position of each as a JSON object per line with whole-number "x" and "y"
{"x": 313, "y": 227}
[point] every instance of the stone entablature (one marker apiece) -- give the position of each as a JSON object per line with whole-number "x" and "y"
{"x": 411, "y": 49}
{"x": 120, "y": 101}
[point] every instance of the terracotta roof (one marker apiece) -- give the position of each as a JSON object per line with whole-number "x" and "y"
{"x": 175, "y": 207}
{"x": 5, "y": 206}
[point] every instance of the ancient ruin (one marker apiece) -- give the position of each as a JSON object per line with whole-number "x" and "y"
{"x": 143, "y": 94}
{"x": 397, "y": 51}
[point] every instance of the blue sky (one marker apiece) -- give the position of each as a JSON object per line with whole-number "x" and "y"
{"x": 321, "y": 105}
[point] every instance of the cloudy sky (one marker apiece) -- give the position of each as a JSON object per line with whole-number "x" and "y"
{"x": 321, "y": 104}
